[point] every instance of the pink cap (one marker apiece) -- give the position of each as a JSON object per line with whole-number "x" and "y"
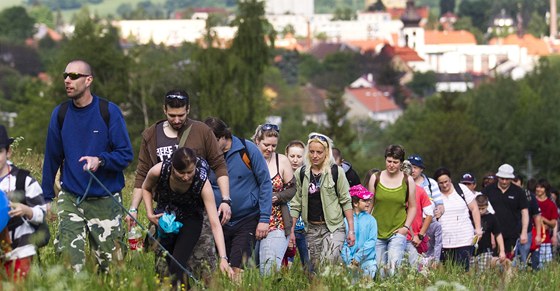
{"x": 360, "y": 192}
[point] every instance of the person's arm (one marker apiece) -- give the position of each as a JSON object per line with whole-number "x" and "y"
{"x": 149, "y": 184}
{"x": 35, "y": 201}
{"x": 369, "y": 245}
{"x": 524, "y": 225}
{"x": 215, "y": 224}
{"x": 288, "y": 178}
{"x": 224, "y": 208}
{"x": 53, "y": 158}
{"x": 425, "y": 224}
{"x": 144, "y": 165}
{"x": 295, "y": 206}
{"x": 120, "y": 155}
{"x": 473, "y": 206}
{"x": 538, "y": 228}
{"x": 411, "y": 209}
{"x": 215, "y": 158}
{"x": 501, "y": 248}
{"x": 260, "y": 171}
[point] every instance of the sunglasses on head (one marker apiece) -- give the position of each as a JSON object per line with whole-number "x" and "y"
{"x": 180, "y": 97}
{"x": 73, "y": 76}
{"x": 269, "y": 126}
{"x": 319, "y": 137}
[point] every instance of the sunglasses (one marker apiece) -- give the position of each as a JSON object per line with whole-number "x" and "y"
{"x": 319, "y": 137}
{"x": 416, "y": 158}
{"x": 180, "y": 97}
{"x": 73, "y": 76}
{"x": 269, "y": 126}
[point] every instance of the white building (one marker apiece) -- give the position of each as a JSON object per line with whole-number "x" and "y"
{"x": 292, "y": 7}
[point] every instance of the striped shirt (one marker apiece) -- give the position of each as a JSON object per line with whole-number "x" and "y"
{"x": 456, "y": 225}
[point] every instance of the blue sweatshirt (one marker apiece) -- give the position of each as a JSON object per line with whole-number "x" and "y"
{"x": 250, "y": 190}
{"x": 363, "y": 250}
{"x": 85, "y": 133}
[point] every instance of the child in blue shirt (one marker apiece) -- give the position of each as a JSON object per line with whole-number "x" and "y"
{"x": 362, "y": 253}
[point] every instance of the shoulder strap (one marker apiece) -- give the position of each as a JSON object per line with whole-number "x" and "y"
{"x": 460, "y": 192}
{"x": 277, "y": 163}
{"x": 334, "y": 172}
{"x": 183, "y": 139}
{"x": 21, "y": 176}
{"x": 301, "y": 174}
{"x": 429, "y": 186}
{"x": 103, "y": 108}
{"x": 405, "y": 180}
{"x": 245, "y": 155}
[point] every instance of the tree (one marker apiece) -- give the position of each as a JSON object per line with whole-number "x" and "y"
{"x": 377, "y": 6}
{"x": 16, "y": 24}
{"x": 423, "y": 84}
{"x": 42, "y": 14}
{"x": 537, "y": 26}
{"x": 479, "y": 11}
{"x": 339, "y": 128}
{"x": 446, "y": 6}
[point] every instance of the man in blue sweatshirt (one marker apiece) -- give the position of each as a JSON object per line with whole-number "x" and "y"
{"x": 251, "y": 194}
{"x": 85, "y": 139}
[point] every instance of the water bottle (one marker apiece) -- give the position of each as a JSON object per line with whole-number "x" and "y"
{"x": 135, "y": 238}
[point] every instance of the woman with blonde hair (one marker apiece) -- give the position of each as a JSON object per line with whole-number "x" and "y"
{"x": 322, "y": 199}
{"x": 273, "y": 247}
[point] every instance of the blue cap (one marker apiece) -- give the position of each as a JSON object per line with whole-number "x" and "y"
{"x": 417, "y": 161}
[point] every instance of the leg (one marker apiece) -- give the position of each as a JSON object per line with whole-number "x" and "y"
{"x": 242, "y": 241}
{"x": 71, "y": 236}
{"x": 522, "y": 251}
{"x": 332, "y": 244}
{"x": 314, "y": 240}
{"x": 395, "y": 251}
{"x": 203, "y": 258}
{"x": 185, "y": 243}
{"x": 106, "y": 237}
{"x": 412, "y": 254}
{"x": 303, "y": 251}
{"x": 381, "y": 255}
{"x": 272, "y": 250}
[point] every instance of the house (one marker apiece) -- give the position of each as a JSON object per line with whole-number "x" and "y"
{"x": 323, "y": 49}
{"x": 313, "y": 104}
{"x": 371, "y": 103}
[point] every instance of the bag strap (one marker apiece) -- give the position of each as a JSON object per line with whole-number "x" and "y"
{"x": 21, "y": 176}
{"x": 103, "y": 109}
{"x": 245, "y": 155}
{"x": 183, "y": 139}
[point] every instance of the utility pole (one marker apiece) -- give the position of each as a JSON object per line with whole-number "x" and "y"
{"x": 553, "y": 20}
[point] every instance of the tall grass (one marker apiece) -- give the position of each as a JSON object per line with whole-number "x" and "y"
{"x": 136, "y": 272}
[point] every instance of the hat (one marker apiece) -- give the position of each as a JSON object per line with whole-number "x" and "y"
{"x": 468, "y": 178}
{"x": 416, "y": 160}
{"x": 360, "y": 192}
{"x": 4, "y": 139}
{"x": 505, "y": 171}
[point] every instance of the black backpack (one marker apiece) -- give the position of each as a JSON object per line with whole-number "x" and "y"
{"x": 460, "y": 192}
{"x": 103, "y": 108}
{"x": 41, "y": 236}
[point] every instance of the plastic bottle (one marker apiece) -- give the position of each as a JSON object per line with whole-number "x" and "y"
{"x": 135, "y": 238}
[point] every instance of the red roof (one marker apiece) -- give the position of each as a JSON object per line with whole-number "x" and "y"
{"x": 448, "y": 37}
{"x": 535, "y": 46}
{"x": 367, "y": 45}
{"x": 404, "y": 53}
{"x": 374, "y": 99}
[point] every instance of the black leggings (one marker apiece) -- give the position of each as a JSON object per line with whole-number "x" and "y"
{"x": 181, "y": 246}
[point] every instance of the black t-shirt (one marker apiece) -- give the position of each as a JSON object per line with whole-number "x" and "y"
{"x": 508, "y": 206}
{"x": 314, "y": 202}
{"x": 351, "y": 175}
{"x": 533, "y": 209}
{"x": 489, "y": 225}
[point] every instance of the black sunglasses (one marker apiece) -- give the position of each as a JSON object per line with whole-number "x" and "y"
{"x": 73, "y": 76}
{"x": 180, "y": 97}
{"x": 269, "y": 126}
{"x": 319, "y": 137}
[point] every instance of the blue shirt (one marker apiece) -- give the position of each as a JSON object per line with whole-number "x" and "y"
{"x": 85, "y": 133}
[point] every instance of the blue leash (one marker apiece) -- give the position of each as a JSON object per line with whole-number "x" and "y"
{"x": 165, "y": 252}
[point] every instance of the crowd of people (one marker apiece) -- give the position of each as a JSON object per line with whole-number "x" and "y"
{"x": 222, "y": 201}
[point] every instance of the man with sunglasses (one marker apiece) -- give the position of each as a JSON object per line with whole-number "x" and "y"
{"x": 86, "y": 143}
{"x": 159, "y": 141}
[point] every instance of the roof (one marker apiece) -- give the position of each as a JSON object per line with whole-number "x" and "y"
{"x": 367, "y": 45}
{"x": 448, "y": 37}
{"x": 397, "y": 13}
{"x": 323, "y": 49}
{"x": 404, "y": 53}
{"x": 535, "y": 46}
{"x": 313, "y": 100}
{"x": 374, "y": 99}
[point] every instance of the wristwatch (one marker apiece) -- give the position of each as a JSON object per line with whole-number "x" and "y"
{"x": 101, "y": 162}
{"x": 420, "y": 236}
{"x": 227, "y": 201}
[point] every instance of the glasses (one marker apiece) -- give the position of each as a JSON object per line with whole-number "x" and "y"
{"x": 416, "y": 158}
{"x": 180, "y": 97}
{"x": 73, "y": 76}
{"x": 319, "y": 137}
{"x": 269, "y": 126}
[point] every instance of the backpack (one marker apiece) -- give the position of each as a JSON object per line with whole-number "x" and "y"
{"x": 334, "y": 171}
{"x": 41, "y": 236}
{"x": 103, "y": 108}
{"x": 244, "y": 155}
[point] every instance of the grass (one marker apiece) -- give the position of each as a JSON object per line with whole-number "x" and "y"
{"x": 137, "y": 270}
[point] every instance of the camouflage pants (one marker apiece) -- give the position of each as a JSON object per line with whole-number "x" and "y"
{"x": 203, "y": 259}
{"x": 96, "y": 218}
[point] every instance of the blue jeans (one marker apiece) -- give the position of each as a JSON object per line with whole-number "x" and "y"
{"x": 389, "y": 253}
{"x": 522, "y": 252}
{"x": 301, "y": 244}
{"x": 271, "y": 251}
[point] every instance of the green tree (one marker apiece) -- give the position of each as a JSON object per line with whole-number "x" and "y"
{"x": 446, "y": 6}
{"x": 377, "y": 6}
{"x": 478, "y": 10}
{"x": 249, "y": 45}
{"x": 537, "y": 26}
{"x": 465, "y": 23}
{"x": 339, "y": 127}
{"x": 16, "y": 24}
{"x": 423, "y": 84}
{"x": 42, "y": 14}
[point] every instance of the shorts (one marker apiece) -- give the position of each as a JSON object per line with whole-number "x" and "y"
{"x": 240, "y": 240}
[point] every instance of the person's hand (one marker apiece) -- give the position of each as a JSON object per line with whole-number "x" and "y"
{"x": 538, "y": 239}
{"x": 478, "y": 232}
{"x": 262, "y": 230}
{"x": 351, "y": 238}
{"x": 51, "y": 213}
{"x": 19, "y": 209}
{"x": 553, "y": 240}
{"x": 523, "y": 237}
{"x": 403, "y": 230}
{"x": 225, "y": 211}
{"x": 226, "y": 268}
{"x": 438, "y": 212}
{"x": 292, "y": 238}
{"x": 416, "y": 240}
{"x": 274, "y": 199}
{"x": 129, "y": 219}
{"x": 92, "y": 163}
{"x": 502, "y": 256}
{"x": 154, "y": 218}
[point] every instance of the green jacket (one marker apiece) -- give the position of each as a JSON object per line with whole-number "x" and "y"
{"x": 333, "y": 205}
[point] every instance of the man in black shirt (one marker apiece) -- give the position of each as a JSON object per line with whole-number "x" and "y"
{"x": 511, "y": 207}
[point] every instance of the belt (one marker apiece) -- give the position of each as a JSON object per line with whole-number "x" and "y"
{"x": 318, "y": 222}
